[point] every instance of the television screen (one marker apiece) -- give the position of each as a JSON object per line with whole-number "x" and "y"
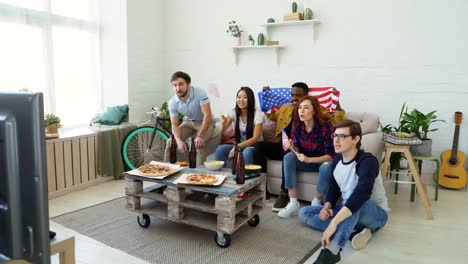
{"x": 24, "y": 218}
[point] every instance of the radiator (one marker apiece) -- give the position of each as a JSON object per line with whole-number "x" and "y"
{"x": 72, "y": 162}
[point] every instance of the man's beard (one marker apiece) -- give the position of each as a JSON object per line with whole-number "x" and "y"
{"x": 182, "y": 95}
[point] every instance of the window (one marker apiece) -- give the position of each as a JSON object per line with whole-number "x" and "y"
{"x": 52, "y": 46}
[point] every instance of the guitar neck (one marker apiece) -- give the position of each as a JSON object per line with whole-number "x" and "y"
{"x": 455, "y": 142}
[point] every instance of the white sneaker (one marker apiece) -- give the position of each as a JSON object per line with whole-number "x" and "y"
{"x": 361, "y": 239}
{"x": 290, "y": 210}
{"x": 315, "y": 202}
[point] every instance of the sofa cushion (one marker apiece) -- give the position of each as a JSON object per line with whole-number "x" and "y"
{"x": 229, "y": 136}
{"x": 113, "y": 115}
{"x": 274, "y": 170}
{"x": 268, "y": 132}
{"x": 369, "y": 122}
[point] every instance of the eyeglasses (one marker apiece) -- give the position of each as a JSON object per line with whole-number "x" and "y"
{"x": 339, "y": 136}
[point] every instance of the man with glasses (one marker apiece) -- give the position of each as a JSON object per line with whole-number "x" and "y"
{"x": 274, "y": 150}
{"x": 357, "y": 181}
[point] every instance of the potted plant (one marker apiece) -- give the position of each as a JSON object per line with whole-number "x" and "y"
{"x": 165, "y": 119}
{"x": 419, "y": 124}
{"x": 251, "y": 40}
{"x": 396, "y": 157}
{"x": 52, "y": 124}
{"x": 235, "y": 31}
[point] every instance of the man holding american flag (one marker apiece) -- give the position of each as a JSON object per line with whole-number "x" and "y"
{"x": 275, "y": 150}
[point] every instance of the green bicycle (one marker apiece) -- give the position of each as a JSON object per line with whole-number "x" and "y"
{"x": 147, "y": 143}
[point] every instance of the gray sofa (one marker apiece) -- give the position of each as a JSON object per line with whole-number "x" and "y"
{"x": 307, "y": 181}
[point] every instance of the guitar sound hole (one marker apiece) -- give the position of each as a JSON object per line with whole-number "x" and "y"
{"x": 453, "y": 162}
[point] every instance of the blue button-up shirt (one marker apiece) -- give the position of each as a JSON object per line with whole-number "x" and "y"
{"x": 191, "y": 108}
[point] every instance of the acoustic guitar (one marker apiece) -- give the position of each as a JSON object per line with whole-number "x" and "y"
{"x": 452, "y": 171}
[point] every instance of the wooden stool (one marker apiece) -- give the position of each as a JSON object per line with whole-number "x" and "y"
{"x": 65, "y": 246}
{"x": 405, "y": 149}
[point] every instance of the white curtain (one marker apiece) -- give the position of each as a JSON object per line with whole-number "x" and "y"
{"x": 52, "y": 46}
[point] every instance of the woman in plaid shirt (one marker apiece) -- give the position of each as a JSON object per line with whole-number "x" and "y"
{"x": 311, "y": 150}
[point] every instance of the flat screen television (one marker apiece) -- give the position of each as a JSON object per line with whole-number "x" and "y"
{"x": 24, "y": 217}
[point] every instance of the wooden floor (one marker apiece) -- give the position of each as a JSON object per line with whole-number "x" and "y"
{"x": 407, "y": 238}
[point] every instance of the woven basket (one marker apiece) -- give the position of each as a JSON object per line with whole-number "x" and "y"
{"x": 398, "y": 138}
{"x": 52, "y": 129}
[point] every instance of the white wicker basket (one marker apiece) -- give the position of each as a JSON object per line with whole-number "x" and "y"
{"x": 399, "y": 139}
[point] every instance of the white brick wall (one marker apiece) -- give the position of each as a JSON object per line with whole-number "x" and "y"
{"x": 378, "y": 53}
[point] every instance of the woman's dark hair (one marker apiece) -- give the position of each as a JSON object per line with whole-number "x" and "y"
{"x": 319, "y": 117}
{"x": 250, "y": 114}
{"x": 182, "y": 75}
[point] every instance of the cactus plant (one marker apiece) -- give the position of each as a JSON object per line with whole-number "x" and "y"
{"x": 251, "y": 40}
{"x": 261, "y": 39}
{"x": 308, "y": 14}
{"x": 271, "y": 20}
{"x": 294, "y": 7}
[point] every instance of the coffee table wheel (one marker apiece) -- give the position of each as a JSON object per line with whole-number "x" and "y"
{"x": 144, "y": 220}
{"x": 222, "y": 240}
{"x": 254, "y": 221}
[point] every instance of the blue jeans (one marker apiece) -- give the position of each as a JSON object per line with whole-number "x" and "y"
{"x": 292, "y": 165}
{"x": 222, "y": 153}
{"x": 370, "y": 215}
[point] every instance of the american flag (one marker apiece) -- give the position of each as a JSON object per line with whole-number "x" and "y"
{"x": 272, "y": 99}
{"x": 213, "y": 90}
{"x": 328, "y": 96}
{"x": 284, "y": 138}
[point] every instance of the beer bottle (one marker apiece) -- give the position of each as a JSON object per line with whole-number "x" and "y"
{"x": 234, "y": 159}
{"x": 240, "y": 168}
{"x": 173, "y": 150}
{"x": 192, "y": 154}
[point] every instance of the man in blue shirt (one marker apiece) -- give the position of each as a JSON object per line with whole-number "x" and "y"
{"x": 357, "y": 181}
{"x": 194, "y": 104}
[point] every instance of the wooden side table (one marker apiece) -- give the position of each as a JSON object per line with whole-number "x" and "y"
{"x": 405, "y": 149}
{"x": 65, "y": 246}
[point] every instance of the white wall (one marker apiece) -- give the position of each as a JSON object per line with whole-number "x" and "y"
{"x": 145, "y": 61}
{"x": 378, "y": 53}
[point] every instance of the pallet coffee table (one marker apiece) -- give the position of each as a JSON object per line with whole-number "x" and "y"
{"x": 210, "y": 207}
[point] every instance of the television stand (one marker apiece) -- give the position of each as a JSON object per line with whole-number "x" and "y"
{"x": 65, "y": 246}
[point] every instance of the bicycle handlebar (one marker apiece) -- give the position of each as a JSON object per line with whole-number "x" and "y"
{"x": 154, "y": 110}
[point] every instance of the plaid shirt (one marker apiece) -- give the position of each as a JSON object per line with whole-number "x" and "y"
{"x": 315, "y": 143}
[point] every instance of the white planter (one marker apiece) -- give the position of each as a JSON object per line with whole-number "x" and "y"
{"x": 237, "y": 41}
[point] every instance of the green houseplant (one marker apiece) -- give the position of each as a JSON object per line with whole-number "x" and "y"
{"x": 164, "y": 114}
{"x": 419, "y": 124}
{"x": 52, "y": 123}
{"x": 235, "y": 31}
{"x": 396, "y": 157}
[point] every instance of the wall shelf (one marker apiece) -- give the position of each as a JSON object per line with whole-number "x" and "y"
{"x": 276, "y": 48}
{"x": 312, "y": 22}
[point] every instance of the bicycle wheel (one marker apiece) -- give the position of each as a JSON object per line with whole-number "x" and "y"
{"x": 135, "y": 148}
